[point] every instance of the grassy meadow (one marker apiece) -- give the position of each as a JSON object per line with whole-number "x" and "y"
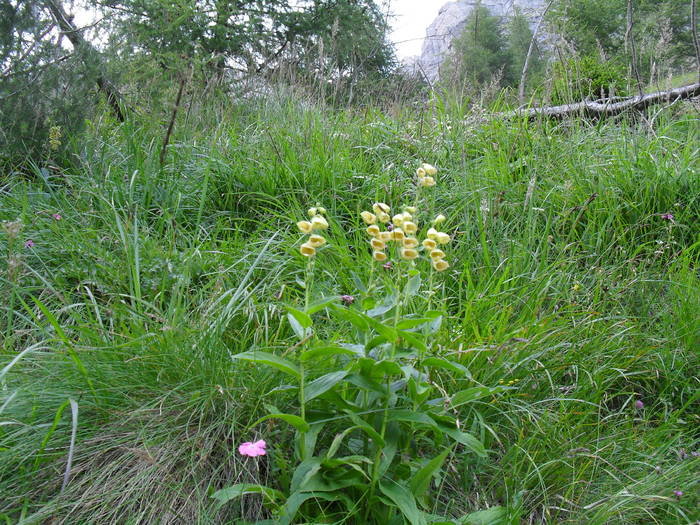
{"x": 573, "y": 295}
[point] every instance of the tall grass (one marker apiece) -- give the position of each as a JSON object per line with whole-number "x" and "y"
{"x": 568, "y": 278}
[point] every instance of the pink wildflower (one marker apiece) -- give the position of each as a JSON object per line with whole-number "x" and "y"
{"x": 29, "y": 244}
{"x": 56, "y": 216}
{"x": 252, "y": 449}
{"x": 347, "y": 299}
{"x": 639, "y": 404}
{"x": 387, "y": 266}
{"x": 667, "y": 216}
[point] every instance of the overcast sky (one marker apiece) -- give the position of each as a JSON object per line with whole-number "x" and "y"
{"x": 411, "y": 19}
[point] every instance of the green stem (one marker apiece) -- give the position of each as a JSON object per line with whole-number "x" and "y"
{"x": 302, "y": 400}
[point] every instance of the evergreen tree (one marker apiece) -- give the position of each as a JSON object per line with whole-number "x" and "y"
{"x": 479, "y": 52}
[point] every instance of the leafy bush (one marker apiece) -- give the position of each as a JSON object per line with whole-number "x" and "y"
{"x": 586, "y": 77}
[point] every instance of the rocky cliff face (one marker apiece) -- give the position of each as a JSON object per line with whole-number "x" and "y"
{"x": 451, "y": 21}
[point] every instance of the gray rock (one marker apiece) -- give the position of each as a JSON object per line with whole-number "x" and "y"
{"x": 450, "y": 22}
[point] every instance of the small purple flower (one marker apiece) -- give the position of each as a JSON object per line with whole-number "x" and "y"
{"x": 29, "y": 244}
{"x": 389, "y": 227}
{"x": 667, "y": 216}
{"x": 387, "y": 266}
{"x": 347, "y": 299}
{"x": 56, "y": 216}
{"x": 639, "y": 404}
{"x": 695, "y": 454}
{"x": 678, "y": 493}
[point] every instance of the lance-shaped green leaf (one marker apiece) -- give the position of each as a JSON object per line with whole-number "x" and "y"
{"x": 236, "y": 491}
{"x": 404, "y": 500}
{"x": 420, "y": 481}
{"x": 323, "y": 384}
{"x": 272, "y": 360}
{"x": 295, "y": 421}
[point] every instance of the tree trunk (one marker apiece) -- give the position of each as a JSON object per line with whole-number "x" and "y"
{"x": 89, "y": 55}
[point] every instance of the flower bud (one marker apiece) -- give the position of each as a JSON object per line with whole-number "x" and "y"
{"x": 398, "y": 234}
{"x": 410, "y": 242}
{"x": 307, "y": 250}
{"x": 437, "y": 254}
{"x": 411, "y": 209}
{"x": 379, "y": 256}
{"x": 304, "y": 226}
{"x": 421, "y": 173}
{"x": 312, "y": 212}
{"x": 432, "y": 234}
{"x": 429, "y": 169}
{"x": 410, "y": 227}
{"x": 316, "y": 241}
{"x": 429, "y": 244}
{"x": 321, "y": 210}
{"x": 442, "y": 238}
{"x": 378, "y": 245}
{"x": 319, "y": 223}
{"x": 427, "y": 182}
{"x": 409, "y": 253}
{"x": 373, "y": 230}
{"x": 439, "y": 219}
{"x": 368, "y": 217}
{"x": 440, "y": 265}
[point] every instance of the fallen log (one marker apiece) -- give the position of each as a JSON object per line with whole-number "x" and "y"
{"x": 607, "y": 107}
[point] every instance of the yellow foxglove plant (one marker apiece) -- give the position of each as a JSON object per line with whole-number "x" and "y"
{"x": 369, "y": 408}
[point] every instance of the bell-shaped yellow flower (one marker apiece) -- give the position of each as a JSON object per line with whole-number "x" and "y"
{"x": 383, "y": 217}
{"x": 368, "y": 217}
{"x": 410, "y": 242}
{"x": 319, "y": 223}
{"x": 307, "y": 250}
{"x": 437, "y": 253}
{"x": 397, "y": 234}
{"x": 440, "y": 265}
{"x": 410, "y": 227}
{"x": 316, "y": 241}
{"x": 373, "y": 230}
{"x": 312, "y": 212}
{"x": 380, "y": 207}
{"x": 439, "y": 219}
{"x": 421, "y": 173}
{"x": 397, "y": 220}
{"x": 378, "y": 245}
{"x": 429, "y": 244}
{"x": 427, "y": 182}
{"x": 386, "y": 236}
{"x": 429, "y": 169}
{"x": 304, "y": 226}
{"x": 432, "y": 234}
{"x": 379, "y": 256}
{"x": 408, "y": 253}
{"x": 443, "y": 238}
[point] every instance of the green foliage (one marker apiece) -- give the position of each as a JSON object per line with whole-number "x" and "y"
{"x": 42, "y": 85}
{"x": 571, "y": 295}
{"x": 479, "y": 52}
{"x": 587, "y": 77}
{"x": 376, "y": 394}
{"x": 490, "y": 49}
